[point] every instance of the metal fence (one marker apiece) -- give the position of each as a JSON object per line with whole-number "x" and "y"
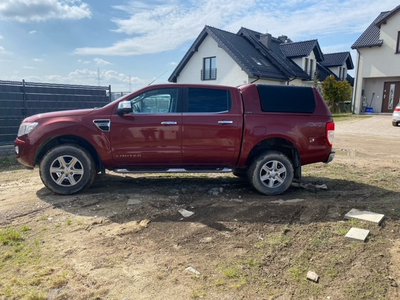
{"x": 19, "y": 100}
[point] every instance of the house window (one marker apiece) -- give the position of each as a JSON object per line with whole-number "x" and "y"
{"x": 343, "y": 73}
{"x": 398, "y": 43}
{"x": 311, "y": 69}
{"x": 306, "y": 65}
{"x": 209, "y": 71}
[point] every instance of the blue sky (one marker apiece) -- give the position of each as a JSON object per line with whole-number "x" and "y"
{"x": 128, "y": 44}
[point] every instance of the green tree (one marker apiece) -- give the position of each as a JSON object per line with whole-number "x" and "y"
{"x": 336, "y": 93}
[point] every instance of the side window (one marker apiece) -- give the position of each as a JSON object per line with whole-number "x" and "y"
{"x": 205, "y": 100}
{"x": 158, "y": 101}
{"x": 289, "y": 99}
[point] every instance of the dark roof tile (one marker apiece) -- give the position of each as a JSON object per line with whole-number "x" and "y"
{"x": 370, "y": 37}
{"x": 338, "y": 59}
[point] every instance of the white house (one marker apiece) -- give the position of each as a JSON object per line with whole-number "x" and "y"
{"x": 221, "y": 57}
{"x": 377, "y": 82}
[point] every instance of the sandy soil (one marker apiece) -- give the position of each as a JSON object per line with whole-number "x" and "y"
{"x": 125, "y": 238}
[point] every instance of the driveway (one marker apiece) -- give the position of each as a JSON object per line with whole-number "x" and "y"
{"x": 376, "y": 125}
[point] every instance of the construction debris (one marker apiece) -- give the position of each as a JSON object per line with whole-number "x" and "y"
{"x": 365, "y": 216}
{"x": 357, "y": 234}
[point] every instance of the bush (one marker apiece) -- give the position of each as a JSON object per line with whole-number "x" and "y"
{"x": 336, "y": 93}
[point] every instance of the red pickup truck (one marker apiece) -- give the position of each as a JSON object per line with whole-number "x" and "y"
{"x": 263, "y": 132}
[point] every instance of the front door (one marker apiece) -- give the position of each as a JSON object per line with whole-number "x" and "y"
{"x": 391, "y": 96}
{"x": 151, "y": 135}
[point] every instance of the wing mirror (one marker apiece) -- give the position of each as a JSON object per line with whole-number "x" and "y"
{"x": 124, "y": 107}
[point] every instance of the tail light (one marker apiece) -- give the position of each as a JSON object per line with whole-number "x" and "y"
{"x": 330, "y": 132}
{"x": 397, "y": 109}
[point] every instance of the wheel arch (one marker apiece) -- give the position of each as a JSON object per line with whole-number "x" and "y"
{"x": 69, "y": 139}
{"x": 281, "y": 145}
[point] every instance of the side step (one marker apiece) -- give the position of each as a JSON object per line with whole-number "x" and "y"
{"x": 174, "y": 170}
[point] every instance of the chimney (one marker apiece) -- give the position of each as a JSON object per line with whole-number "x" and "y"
{"x": 265, "y": 39}
{"x": 284, "y": 39}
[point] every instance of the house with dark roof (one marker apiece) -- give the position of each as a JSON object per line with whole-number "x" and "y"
{"x": 222, "y": 57}
{"x": 377, "y": 76}
{"x": 336, "y": 64}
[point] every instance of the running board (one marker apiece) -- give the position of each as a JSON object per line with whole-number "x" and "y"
{"x": 174, "y": 170}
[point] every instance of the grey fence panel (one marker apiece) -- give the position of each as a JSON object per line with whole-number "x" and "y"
{"x": 19, "y": 100}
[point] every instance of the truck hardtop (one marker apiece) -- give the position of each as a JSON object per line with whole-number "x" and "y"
{"x": 265, "y": 133}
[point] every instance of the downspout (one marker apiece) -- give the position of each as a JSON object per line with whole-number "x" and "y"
{"x": 294, "y": 78}
{"x": 353, "y": 100}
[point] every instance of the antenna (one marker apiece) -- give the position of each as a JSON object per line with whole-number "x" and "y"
{"x": 157, "y": 78}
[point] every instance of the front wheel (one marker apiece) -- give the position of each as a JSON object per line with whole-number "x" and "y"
{"x": 271, "y": 173}
{"x": 67, "y": 169}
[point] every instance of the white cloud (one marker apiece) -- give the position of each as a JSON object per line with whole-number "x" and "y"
{"x": 32, "y": 32}
{"x": 42, "y": 10}
{"x": 28, "y": 67}
{"x": 173, "y": 63}
{"x": 1, "y": 37}
{"x": 106, "y": 76}
{"x": 164, "y": 26}
{"x": 2, "y": 50}
{"x": 38, "y": 59}
{"x": 85, "y": 62}
{"x": 102, "y": 62}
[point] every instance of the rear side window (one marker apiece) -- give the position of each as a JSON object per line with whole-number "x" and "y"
{"x": 290, "y": 99}
{"x": 206, "y": 100}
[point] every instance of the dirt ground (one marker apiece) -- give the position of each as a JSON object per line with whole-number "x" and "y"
{"x": 124, "y": 238}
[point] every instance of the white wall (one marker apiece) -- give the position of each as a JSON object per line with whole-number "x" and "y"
{"x": 379, "y": 64}
{"x": 228, "y": 72}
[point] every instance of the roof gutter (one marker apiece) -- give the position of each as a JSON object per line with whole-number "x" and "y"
{"x": 289, "y": 81}
{"x": 257, "y": 79}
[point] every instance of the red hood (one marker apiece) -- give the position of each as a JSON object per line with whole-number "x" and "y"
{"x": 57, "y": 114}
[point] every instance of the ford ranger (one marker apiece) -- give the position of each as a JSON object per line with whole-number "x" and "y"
{"x": 265, "y": 133}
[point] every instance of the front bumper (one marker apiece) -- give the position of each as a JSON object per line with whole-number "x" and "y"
{"x": 23, "y": 154}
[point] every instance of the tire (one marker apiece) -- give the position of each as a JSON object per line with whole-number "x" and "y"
{"x": 271, "y": 173}
{"x": 67, "y": 169}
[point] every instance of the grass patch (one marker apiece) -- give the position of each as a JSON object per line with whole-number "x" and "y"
{"x": 348, "y": 117}
{"x": 8, "y": 161}
{"x": 10, "y": 236}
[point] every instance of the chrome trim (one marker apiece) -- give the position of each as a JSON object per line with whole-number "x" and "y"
{"x": 225, "y": 122}
{"x": 174, "y": 170}
{"x": 103, "y": 125}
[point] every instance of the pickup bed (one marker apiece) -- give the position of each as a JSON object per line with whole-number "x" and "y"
{"x": 262, "y": 132}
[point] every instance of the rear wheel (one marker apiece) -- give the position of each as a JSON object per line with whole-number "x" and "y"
{"x": 67, "y": 169}
{"x": 271, "y": 173}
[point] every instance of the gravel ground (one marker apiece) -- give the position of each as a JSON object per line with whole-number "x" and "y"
{"x": 377, "y": 125}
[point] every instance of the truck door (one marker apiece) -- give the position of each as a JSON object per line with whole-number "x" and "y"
{"x": 211, "y": 127}
{"x": 151, "y": 135}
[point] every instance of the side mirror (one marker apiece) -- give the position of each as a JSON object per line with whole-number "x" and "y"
{"x": 124, "y": 107}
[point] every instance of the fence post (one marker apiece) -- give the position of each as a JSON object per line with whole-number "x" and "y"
{"x": 24, "y": 99}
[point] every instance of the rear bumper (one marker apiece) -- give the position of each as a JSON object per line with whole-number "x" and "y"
{"x": 331, "y": 156}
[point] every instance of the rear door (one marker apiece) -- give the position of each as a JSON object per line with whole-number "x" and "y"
{"x": 211, "y": 127}
{"x": 151, "y": 135}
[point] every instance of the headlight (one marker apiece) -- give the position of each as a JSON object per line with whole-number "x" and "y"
{"x": 25, "y": 128}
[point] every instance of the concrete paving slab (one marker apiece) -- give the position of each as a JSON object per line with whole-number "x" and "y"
{"x": 364, "y": 216}
{"x": 357, "y": 234}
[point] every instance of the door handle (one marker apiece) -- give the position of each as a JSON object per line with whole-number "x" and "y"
{"x": 225, "y": 122}
{"x": 169, "y": 123}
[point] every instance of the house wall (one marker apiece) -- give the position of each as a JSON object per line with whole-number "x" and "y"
{"x": 228, "y": 72}
{"x": 377, "y": 65}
